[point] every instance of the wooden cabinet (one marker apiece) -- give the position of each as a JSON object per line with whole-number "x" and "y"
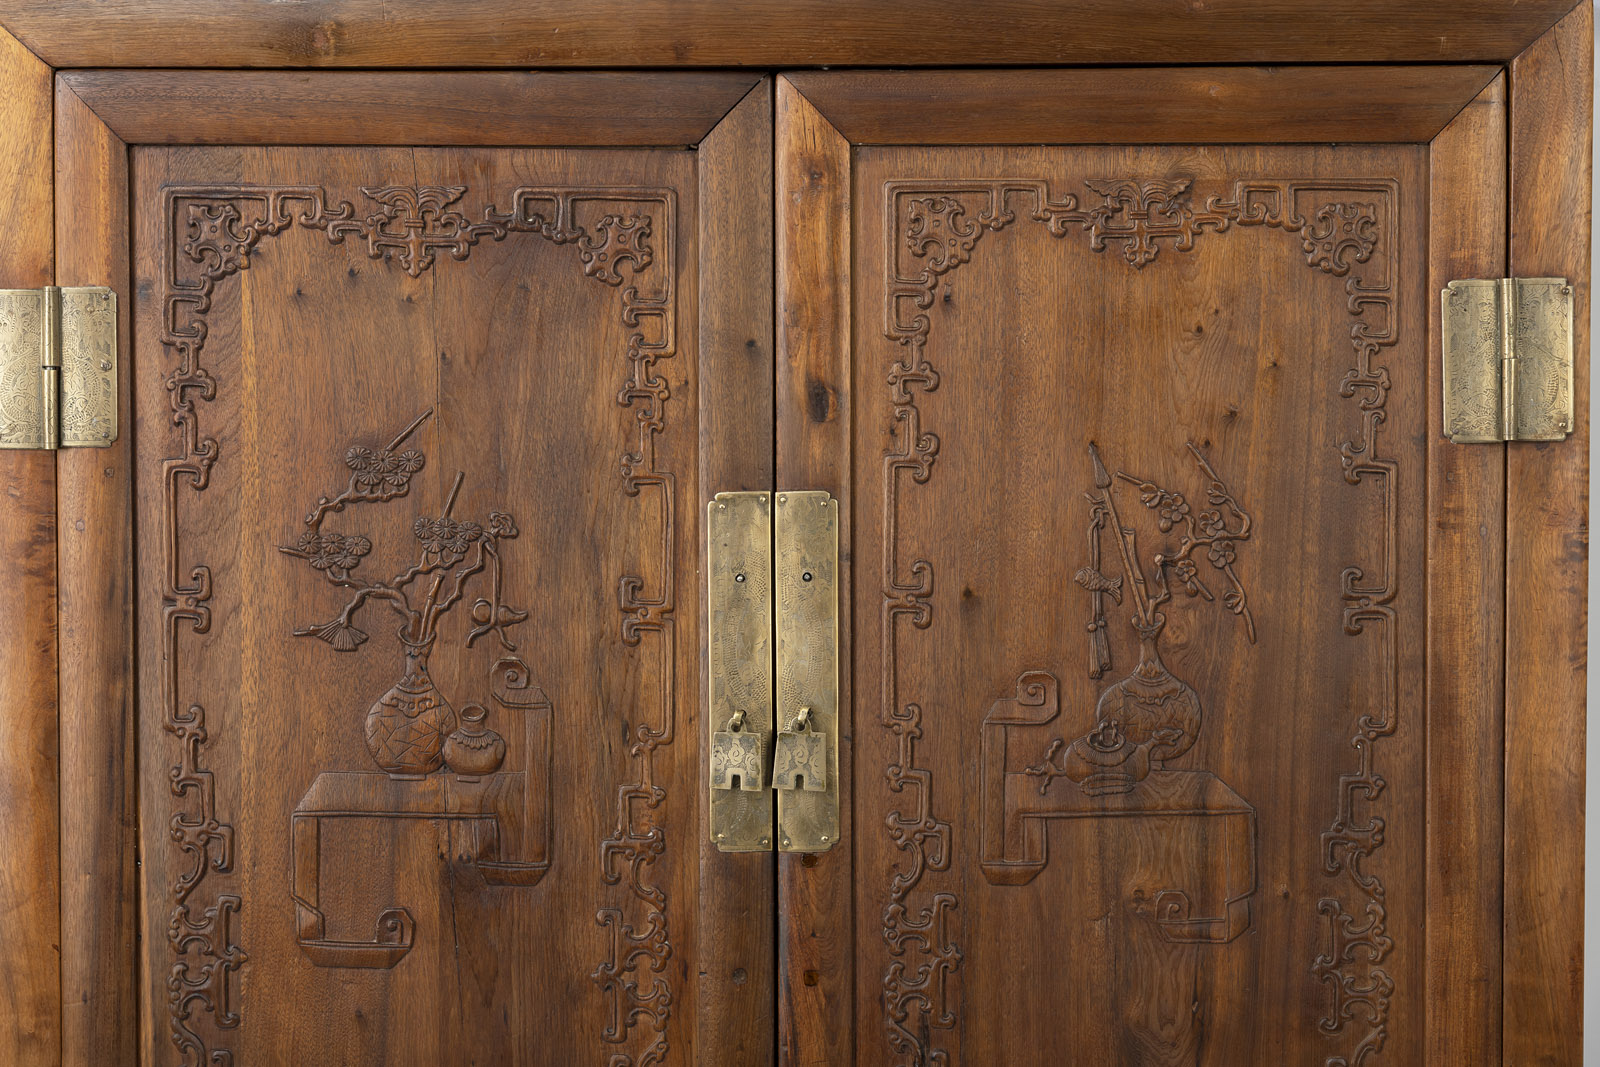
{"x": 1199, "y": 701}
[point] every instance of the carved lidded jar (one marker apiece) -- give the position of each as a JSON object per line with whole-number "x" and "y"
{"x": 474, "y": 750}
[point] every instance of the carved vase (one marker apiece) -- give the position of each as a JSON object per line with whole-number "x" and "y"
{"x": 474, "y": 750}
{"x": 407, "y": 726}
{"x": 1150, "y": 706}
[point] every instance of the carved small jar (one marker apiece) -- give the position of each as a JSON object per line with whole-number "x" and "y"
{"x": 474, "y": 750}
{"x": 407, "y": 726}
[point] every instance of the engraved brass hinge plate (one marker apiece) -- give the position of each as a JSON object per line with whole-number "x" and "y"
{"x": 1507, "y": 360}
{"x": 58, "y": 367}
{"x": 772, "y": 652}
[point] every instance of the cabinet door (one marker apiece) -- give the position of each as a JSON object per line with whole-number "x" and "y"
{"x": 1174, "y": 731}
{"x": 412, "y": 456}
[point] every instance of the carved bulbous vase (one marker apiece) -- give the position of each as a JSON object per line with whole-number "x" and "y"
{"x": 407, "y": 726}
{"x": 1150, "y": 707}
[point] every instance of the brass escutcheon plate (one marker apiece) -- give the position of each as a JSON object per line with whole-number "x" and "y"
{"x": 805, "y": 535}
{"x": 739, "y": 660}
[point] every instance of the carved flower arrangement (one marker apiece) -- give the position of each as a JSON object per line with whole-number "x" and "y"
{"x": 407, "y": 727}
{"x": 1150, "y": 717}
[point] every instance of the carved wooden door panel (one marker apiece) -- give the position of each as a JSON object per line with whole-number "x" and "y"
{"x": 441, "y": 411}
{"x": 1153, "y": 758}
{"x": 415, "y": 442}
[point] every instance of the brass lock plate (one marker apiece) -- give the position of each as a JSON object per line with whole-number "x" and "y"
{"x": 739, "y": 662}
{"x": 805, "y": 536}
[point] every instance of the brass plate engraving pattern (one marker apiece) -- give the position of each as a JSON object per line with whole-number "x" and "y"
{"x": 212, "y": 232}
{"x": 805, "y": 534}
{"x": 1508, "y": 360}
{"x": 931, "y": 229}
{"x": 58, "y": 367}
{"x": 88, "y": 367}
{"x": 739, "y": 656}
{"x": 22, "y": 408}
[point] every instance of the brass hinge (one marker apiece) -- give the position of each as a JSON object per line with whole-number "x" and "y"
{"x": 773, "y": 662}
{"x": 1507, "y": 360}
{"x": 58, "y": 367}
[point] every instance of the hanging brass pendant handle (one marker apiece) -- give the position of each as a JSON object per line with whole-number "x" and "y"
{"x": 736, "y": 757}
{"x": 801, "y": 758}
{"x": 773, "y": 657}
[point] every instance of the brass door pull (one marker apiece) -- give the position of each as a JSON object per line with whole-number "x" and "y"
{"x": 773, "y": 656}
{"x": 739, "y": 669}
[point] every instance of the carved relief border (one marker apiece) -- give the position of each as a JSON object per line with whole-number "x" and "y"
{"x": 212, "y": 233}
{"x": 931, "y": 230}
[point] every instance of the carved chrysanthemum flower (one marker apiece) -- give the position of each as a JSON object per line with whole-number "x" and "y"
{"x": 333, "y": 551}
{"x": 374, "y": 467}
{"x": 408, "y": 462}
{"x": 446, "y": 538}
{"x": 349, "y": 551}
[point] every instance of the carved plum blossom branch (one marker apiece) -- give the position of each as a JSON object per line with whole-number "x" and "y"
{"x": 1218, "y": 529}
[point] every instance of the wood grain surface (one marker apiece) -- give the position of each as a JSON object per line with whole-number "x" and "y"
{"x": 767, "y": 33}
{"x": 1466, "y": 624}
{"x": 30, "y": 1005}
{"x": 1238, "y": 916}
{"x": 926, "y": 292}
{"x": 816, "y": 947}
{"x": 99, "y": 902}
{"x": 1143, "y": 105}
{"x": 537, "y": 385}
{"x": 737, "y": 969}
{"x": 579, "y": 108}
{"x": 969, "y": 502}
{"x": 1547, "y": 570}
